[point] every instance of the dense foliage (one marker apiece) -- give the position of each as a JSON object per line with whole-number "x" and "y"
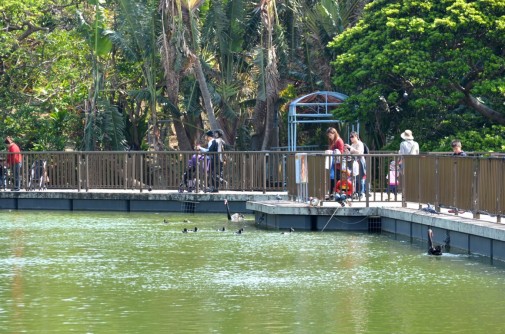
{"x": 42, "y": 73}
{"x": 436, "y": 67}
{"x": 149, "y": 74}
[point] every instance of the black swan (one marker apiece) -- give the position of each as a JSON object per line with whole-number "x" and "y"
{"x": 236, "y": 217}
{"x": 433, "y": 250}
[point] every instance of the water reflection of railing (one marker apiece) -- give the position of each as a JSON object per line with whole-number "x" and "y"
{"x": 473, "y": 183}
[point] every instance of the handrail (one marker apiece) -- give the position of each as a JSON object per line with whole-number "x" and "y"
{"x": 472, "y": 184}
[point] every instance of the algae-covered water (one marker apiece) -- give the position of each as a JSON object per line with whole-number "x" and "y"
{"x": 133, "y": 273}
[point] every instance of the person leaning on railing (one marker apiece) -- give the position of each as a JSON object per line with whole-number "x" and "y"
{"x": 407, "y": 147}
{"x": 215, "y": 144}
{"x": 456, "y": 148}
{"x": 357, "y": 147}
{"x": 335, "y": 146}
{"x": 14, "y": 161}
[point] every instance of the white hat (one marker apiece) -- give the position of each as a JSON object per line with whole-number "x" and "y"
{"x": 407, "y": 135}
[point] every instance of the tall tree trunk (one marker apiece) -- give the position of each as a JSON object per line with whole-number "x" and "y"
{"x": 258, "y": 123}
{"x": 268, "y": 11}
{"x": 272, "y": 84}
{"x": 179, "y": 29}
{"x": 172, "y": 76}
{"x": 204, "y": 89}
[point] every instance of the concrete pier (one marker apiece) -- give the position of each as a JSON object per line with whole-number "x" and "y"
{"x": 131, "y": 200}
{"x": 462, "y": 232}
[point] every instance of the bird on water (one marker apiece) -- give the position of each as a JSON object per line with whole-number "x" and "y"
{"x": 433, "y": 250}
{"x": 236, "y": 217}
{"x": 291, "y": 230}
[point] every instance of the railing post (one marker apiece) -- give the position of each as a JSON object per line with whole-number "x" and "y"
{"x": 284, "y": 173}
{"x": 141, "y": 171}
{"x": 87, "y": 172}
{"x": 500, "y": 192}
{"x": 437, "y": 184}
{"x": 197, "y": 185}
{"x": 265, "y": 155}
{"x": 475, "y": 189}
{"x": 367, "y": 179}
{"x": 244, "y": 171}
{"x": 79, "y": 173}
{"x": 125, "y": 171}
{"x": 455, "y": 183}
{"x": 404, "y": 186}
{"x": 419, "y": 191}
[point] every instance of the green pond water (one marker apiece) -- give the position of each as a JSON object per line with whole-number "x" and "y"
{"x": 132, "y": 273}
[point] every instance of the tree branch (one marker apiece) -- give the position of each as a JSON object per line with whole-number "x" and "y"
{"x": 474, "y": 103}
{"x": 31, "y": 30}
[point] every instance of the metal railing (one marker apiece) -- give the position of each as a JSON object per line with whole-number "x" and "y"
{"x": 241, "y": 171}
{"x": 473, "y": 183}
{"x": 463, "y": 184}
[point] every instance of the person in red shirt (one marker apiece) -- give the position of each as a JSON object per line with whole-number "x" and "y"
{"x": 343, "y": 188}
{"x": 14, "y": 161}
{"x": 336, "y": 146}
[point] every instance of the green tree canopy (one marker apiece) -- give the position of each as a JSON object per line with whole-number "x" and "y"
{"x": 434, "y": 66}
{"x": 41, "y": 77}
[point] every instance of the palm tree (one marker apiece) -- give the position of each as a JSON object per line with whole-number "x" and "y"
{"x": 180, "y": 49}
{"x": 294, "y": 51}
{"x": 216, "y": 43}
{"x": 136, "y": 36}
{"x": 268, "y": 86}
{"x": 228, "y": 64}
{"x": 104, "y": 125}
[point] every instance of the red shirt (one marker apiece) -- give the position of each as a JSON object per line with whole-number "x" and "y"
{"x": 345, "y": 186}
{"x": 338, "y": 145}
{"x": 15, "y": 158}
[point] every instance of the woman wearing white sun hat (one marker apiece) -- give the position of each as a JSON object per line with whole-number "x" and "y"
{"x": 408, "y": 145}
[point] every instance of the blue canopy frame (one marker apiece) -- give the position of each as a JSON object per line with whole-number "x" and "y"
{"x": 316, "y": 107}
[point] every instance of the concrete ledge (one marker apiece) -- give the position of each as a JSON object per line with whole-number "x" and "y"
{"x": 282, "y": 207}
{"x": 466, "y": 234}
{"x": 480, "y": 228}
{"x": 131, "y": 200}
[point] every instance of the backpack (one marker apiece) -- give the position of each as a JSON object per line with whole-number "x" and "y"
{"x": 365, "y": 149}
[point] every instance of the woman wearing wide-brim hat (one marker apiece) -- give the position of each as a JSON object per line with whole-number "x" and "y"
{"x": 408, "y": 145}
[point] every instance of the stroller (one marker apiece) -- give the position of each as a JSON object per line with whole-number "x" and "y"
{"x": 189, "y": 176}
{"x": 38, "y": 175}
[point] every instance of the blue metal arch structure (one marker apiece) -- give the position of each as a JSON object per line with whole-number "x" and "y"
{"x": 312, "y": 108}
